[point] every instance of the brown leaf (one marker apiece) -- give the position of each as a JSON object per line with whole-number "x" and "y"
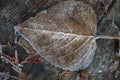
{"x": 63, "y": 74}
{"x": 62, "y": 35}
{"x": 84, "y": 73}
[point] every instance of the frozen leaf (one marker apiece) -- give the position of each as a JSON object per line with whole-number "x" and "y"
{"x": 64, "y": 35}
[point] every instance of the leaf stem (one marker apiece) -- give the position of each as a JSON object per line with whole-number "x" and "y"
{"x": 106, "y": 37}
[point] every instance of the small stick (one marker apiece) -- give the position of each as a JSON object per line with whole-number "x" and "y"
{"x": 11, "y": 63}
{"x": 16, "y": 57}
{"x": 10, "y": 76}
{"x": 8, "y": 57}
{"x": 9, "y": 44}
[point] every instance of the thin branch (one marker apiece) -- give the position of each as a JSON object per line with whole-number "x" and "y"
{"x": 10, "y": 76}
{"x": 16, "y": 57}
{"x": 17, "y": 68}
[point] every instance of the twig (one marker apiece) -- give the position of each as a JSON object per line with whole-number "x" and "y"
{"x": 17, "y": 68}
{"x": 9, "y": 44}
{"x": 32, "y": 60}
{"x": 10, "y": 76}
{"x": 8, "y": 57}
{"x": 0, "y": 48}
{"x": 16, "y": 57}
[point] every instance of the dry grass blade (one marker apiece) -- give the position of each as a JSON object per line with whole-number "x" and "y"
{"x": 16, "y": 57}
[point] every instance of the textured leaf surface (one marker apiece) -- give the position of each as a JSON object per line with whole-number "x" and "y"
{"x": 62, "y": 35}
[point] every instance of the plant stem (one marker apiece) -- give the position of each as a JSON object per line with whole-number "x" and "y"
{"x": 106, "y": 37}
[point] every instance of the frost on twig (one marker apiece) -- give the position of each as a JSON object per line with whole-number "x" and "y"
{"x": 7, "y": 76}
{"x": 19, "y": 70}
{"x": 13, "y": 61}
{"x": 4, "y": 76}
{"x": 16, "y": 64}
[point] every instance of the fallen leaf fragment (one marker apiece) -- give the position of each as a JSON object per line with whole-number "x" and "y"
{"x": 23, "y": 76}
{"x": 63, "y": 74}
{"x": 84, "y": 73}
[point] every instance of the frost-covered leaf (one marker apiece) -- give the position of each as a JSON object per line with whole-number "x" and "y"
{"x": 62, "y": 35}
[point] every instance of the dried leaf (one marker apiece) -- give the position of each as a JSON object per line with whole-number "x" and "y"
{"x": 62, "y": 35}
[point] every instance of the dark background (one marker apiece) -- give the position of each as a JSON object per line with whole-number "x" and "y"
{"x": 106, "y": 63}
